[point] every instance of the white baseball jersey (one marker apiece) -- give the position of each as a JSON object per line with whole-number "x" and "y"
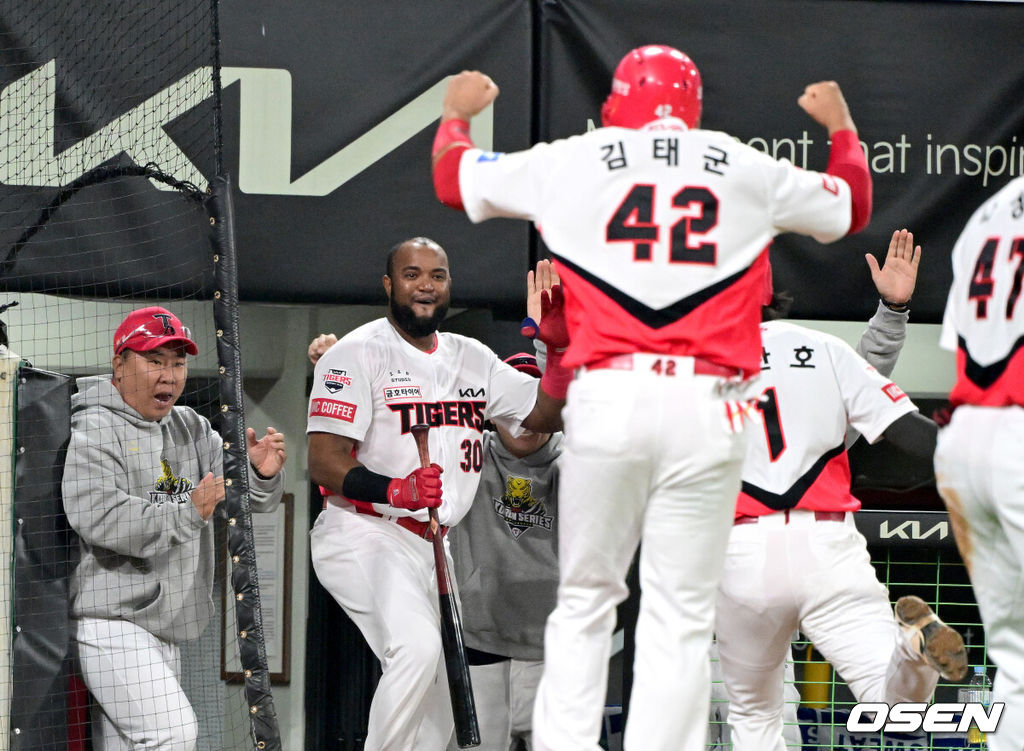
{"x": 660, "y": 235}
{"x": 372, "y": 386}
{"x": 984, "y": 318}
{"x": 813, "y": 385}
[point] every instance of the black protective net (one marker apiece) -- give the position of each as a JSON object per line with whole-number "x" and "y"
{"x": 110, "y": 201}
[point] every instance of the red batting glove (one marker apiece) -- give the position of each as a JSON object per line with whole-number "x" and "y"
{"x": 554, "y": 331}
{"x": 421, "y": 489}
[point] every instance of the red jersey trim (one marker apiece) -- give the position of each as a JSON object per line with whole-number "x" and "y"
{"x": 824, "y": 487}
{"x": 846, "y": 159}
{"x": 451, "y": 142}
{"x": 1000, "y": 384}
{"x": 720, "y": 323}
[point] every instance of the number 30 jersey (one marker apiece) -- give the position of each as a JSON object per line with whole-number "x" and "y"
{"x": 813, "y": 386}
{"x": 660, "y": 235}
{"x": 984, "y": 318}
{"x": 372, "y": 386}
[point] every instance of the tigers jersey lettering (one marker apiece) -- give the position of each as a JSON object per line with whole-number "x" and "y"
{"x": 456, "y": 387}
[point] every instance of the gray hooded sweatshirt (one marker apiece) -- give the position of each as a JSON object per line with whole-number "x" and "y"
{"x": 505, "y": 551}
{"x": 146, "y": 554}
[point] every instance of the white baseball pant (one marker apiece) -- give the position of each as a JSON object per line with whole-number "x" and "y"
{"x": 133, "y": 678}
{"x": 649, "y": 457}
{"x": 794, "y": 571}
{"x": 383, "y": 576}
{"x": 504, "y": 693}
{"x": 980, "y": 476}
{"x": 719, "y": 735}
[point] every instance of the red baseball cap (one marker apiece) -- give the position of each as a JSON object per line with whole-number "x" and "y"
{"x": 524, "y": 363}
{"x": 148, "y": 328}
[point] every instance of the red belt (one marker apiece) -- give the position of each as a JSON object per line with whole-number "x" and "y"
{"x": 667, "y": 365}
{"x": 418, "y": 528}
{"x": 819, "y": 516}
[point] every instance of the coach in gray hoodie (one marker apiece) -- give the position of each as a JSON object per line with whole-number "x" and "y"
{"x": 141, "y": 480}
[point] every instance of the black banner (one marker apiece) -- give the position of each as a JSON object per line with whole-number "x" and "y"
{"x": 315, "y": 218}
{"x": 934, "y": 88}
{"x": 329, "y": 110}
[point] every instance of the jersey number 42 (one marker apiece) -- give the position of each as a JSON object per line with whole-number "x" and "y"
{"x": 633, "y": 221}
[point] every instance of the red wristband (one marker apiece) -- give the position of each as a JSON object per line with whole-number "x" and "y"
{"x": 556, "y": 379}
{"x": 450, "y": 143}
{"x": 452, "y": 132}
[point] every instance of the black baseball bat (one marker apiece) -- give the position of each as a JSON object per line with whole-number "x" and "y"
{"x": 460, "y": 688}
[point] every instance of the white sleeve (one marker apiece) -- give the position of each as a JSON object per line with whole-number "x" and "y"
{"x": 340, "y": 401}
{"x": 511, "y": 396}
{"x": 872, "y": 401}
{"x": 503, "y": 185}
{"x": 949, "y": 339}
{"x": 808, "y": 202}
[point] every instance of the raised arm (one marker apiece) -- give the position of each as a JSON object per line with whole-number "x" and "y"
{"x": 824, "y": 102}
{"x": 544, "y": 288}
{"x": 467, "y": 95}
{"x": 881, "y": 342}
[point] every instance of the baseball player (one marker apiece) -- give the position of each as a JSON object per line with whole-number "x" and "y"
{"x": 795, "y": 558}
{"x": 371, "y": 545}
{"x": 659, "y": 232}
{"x": 978, "y": 460}
{"x": 141, "y": 481}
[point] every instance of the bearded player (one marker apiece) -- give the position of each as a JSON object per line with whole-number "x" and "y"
{"x": 371, "y": 545}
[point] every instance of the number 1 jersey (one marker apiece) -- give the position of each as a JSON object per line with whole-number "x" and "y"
{"x": 813, "y": 386}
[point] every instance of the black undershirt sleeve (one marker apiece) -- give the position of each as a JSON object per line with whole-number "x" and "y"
{"x": 915, "y": 435}
{"x": 363, "y": 485}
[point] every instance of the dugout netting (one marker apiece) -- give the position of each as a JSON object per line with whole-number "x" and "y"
{"x": 913, "y": 553}
{"x": 112, "y": 198}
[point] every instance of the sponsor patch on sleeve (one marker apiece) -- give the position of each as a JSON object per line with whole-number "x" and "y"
{"x": 894, "y": 392}
{"x": 332, "y": 408}
{"x": 829, "y": 183}
{"x": 488, "y": 156}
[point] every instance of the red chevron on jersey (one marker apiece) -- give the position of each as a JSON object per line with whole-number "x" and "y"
{"x": 719, "y": 323}
{"x": 998, "y": 385}
{"x": 825, "y": 487}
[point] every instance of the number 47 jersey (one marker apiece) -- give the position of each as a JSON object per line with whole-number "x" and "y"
{"x": 660, "y": 235}
{"x": 984, "y": 320}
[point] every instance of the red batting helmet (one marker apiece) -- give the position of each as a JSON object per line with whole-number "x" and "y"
{"x": 652, "y": 82}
